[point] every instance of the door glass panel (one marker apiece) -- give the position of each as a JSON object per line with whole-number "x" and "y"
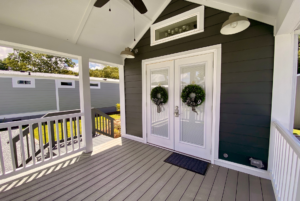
{"x": 160, "y": 121}
{"x": 192, "y": 124}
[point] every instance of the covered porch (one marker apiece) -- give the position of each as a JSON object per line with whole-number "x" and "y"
{"x": 124, "y": 169}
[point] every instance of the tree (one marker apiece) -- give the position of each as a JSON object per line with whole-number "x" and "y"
{"x": 106, "y": 72}
{"x": 21, "y": 60}
{"x": 3, "y": 65}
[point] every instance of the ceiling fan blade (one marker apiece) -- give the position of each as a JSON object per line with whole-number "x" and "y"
{"x": 139, "y": 5}
{"x": 100, "y": 3}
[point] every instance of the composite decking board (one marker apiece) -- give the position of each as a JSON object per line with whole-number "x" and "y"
{"x": 69, "y": 169}
{"x": 128, "y": 190}
{"x": 68, "y": 179}
{"x": 96, "y": 191}
{"x": 242, "y": 192}
{"x": 230, "y": 186}
{"x": 179, "y": 190}
{"x": 267, "y": 190}
{"x": 81, "y": 183}
{"x": 139, "y": 192}
{"x": 148, "y": 177}
{"x": 134, "y": 178}
{"x": 158, "y": 185}
{"x": 193, "y": 187}
{"x": 164, "y": 193}
{"x": 207, "y": 184}
{"x": 216, "y": 193}
{"x": 255, "y": 189}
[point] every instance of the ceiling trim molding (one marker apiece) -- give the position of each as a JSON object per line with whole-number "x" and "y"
{"x": 83, "y": 21}
{"x": 157, "y": 14}
{"x": 128, "y": 6}
{"x": 233, "y": 9}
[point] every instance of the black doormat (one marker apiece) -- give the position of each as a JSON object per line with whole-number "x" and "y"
{"x": 188, "y": 163}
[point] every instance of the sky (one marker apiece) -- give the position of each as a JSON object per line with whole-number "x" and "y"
{"x": 4, "y": 51}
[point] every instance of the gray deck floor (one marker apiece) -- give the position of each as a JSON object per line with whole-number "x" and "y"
{"x": 122, "y": 169}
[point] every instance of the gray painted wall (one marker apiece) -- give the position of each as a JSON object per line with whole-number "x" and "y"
{"x": 26, "y": 100}
{"x": 106, "y": 96}
{"x": 246, "y": 81}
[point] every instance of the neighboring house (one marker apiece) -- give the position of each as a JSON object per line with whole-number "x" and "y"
{"x": 24, "y": 95}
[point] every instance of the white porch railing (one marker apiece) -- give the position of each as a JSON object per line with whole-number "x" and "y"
{"x": 285, "y": 173}
{"x": 64, "y": 128}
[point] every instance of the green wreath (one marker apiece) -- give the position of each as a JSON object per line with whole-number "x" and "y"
{"x": 198, "y": 99}
{"x": 159, "y": 96}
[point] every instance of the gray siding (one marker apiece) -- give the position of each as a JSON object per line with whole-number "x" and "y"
{"x": 106, "y": 96}
{"x": 246, "y": 81}
{"x": 26, "y": 100}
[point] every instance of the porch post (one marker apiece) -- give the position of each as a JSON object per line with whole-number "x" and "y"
{"x": 85, "y": 103}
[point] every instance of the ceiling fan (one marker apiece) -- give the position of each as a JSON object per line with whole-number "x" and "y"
{"x": 138, "y": 4}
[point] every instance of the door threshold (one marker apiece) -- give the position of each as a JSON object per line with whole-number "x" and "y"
{"x": 178, "y": 152}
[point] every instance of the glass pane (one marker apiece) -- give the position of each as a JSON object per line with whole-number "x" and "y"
{"x": 176, "y": 28}
{"x": 192, "y": 124}
{"x": 160, "y": 121}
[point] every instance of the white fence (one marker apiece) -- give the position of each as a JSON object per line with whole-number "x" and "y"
{"x": 66, "y": 128}
{"x": 285, "y": 173}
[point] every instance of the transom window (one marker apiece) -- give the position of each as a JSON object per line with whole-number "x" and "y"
{"x": 65, "y": 83}
{"x": 23, "y": 82}
{"x": 95, "y": 85}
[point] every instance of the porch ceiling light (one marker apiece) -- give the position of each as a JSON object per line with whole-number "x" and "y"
{"x": 127, "y": 53}
{"x": 235, "y": 24}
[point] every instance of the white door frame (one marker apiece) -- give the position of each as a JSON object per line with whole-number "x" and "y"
{"x": 216, "y": 50}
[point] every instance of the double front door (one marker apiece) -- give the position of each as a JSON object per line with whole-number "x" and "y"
{"x": 175, "y": 126}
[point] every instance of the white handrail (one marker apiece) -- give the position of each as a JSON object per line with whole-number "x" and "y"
{"x": 285, "y": 172}
{"x": 16, "y": 169}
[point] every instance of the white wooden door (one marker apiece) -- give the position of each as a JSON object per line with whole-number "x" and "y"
{"x": 160, "y": 128}
{"x": 193, "y": 131}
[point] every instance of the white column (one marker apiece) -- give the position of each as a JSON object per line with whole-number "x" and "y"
{"x": 85, "y": 103}
{"x": 284, "y": 85}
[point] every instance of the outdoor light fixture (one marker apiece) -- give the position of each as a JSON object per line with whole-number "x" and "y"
{"x": 234, "y": 24}
{"x": 127, "y": 53}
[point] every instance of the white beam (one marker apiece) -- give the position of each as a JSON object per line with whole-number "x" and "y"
{"x": 233, "y": 9}
{"x": 288, "y": 17}
{"x": 83, "y": 21}
{"x": 85, "y": 103}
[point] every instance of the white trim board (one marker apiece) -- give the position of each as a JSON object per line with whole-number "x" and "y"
{"x": 243, "y": 168}
{"x": 216, "y": 50}
{"x": 233, "y": 9}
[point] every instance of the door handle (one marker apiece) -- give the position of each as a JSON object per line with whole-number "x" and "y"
{"x": 176, "y": 113}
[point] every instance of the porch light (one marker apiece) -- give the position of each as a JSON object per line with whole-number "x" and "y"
{"x": 127, "y": 53}
{"x": 235, "y": 24}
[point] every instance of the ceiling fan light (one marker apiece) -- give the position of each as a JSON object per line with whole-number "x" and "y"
{"x": 235, "y": 24}
{"x": 127, "y": 53}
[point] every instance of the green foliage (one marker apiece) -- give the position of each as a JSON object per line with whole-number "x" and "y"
{"x": 163, "y": 93}
{"x": 197, "y": 90}
{"x": 118, "y": 107}
{"x": 106, "y": 72}
{"x": 21, "y": 60}
{"x": 3, "y": 65}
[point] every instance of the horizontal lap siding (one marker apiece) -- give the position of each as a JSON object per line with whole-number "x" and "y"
{"x": 27, "y": 100}
{"x": 246, "y": 81}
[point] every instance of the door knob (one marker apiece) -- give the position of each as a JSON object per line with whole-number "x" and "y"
{"x": 176, "y": 113}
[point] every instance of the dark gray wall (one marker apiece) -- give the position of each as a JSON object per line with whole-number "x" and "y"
{"x": 246, "y": 81}
{"x": 26, "y": 100}
{"x": 105, "y": 97}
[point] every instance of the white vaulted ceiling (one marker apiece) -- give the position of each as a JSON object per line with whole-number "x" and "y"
{"x": 79, "y": 22}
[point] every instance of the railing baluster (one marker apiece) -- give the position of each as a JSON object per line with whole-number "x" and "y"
{"x": 286, "y": 172}
{"x": 41, "y": 142}
{"x": 32, "y": 143}
{"x": 50, "y": 139}
{"x": 293, "y": 175}
{"x": 22, "y": 146}
{"x": 282, "y": 168}
{"x": 1, "y": 158}
{"x": 65, "y": 134}
{"x": 275, "y": 153}
{"x": 11, "y": 149}
{"x": 78, "y": 131}
{"x": 57, "y": 138}
{"x": 71, "y": 133}
{"x": 296, "y": 193}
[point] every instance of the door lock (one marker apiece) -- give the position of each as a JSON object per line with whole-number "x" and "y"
{"x": 176, "y": 113}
